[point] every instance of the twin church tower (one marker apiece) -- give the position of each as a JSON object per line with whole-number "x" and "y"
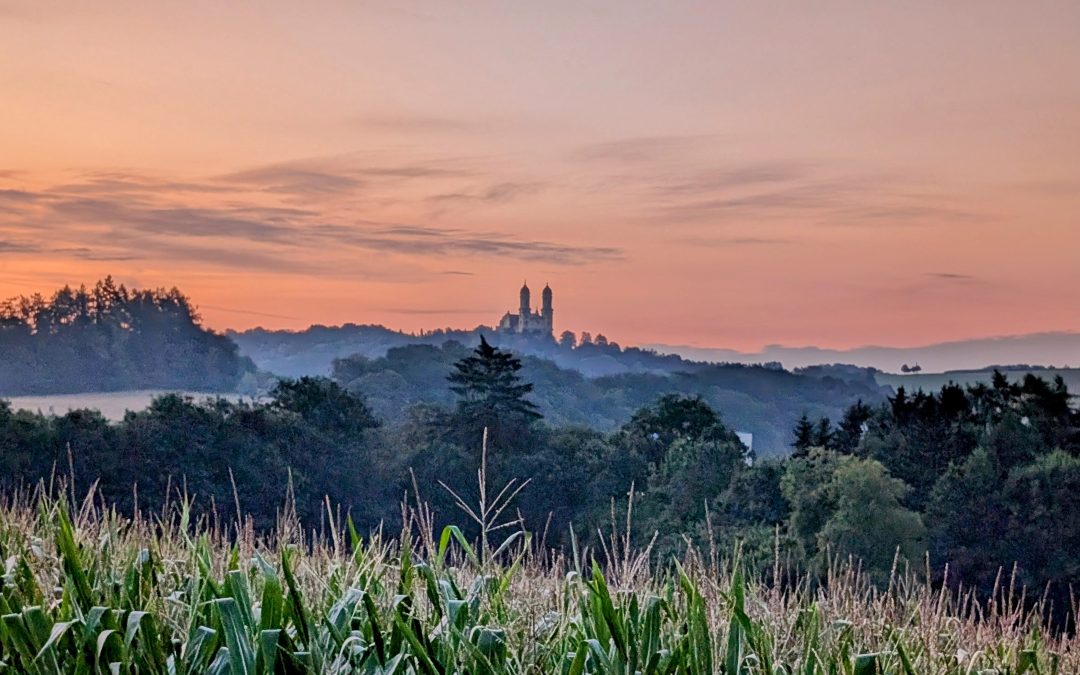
{"x": 528, "y": 322}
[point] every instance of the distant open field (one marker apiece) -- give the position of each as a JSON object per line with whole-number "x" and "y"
{"x": 934, "y": 381}
{"x": 112, "y": 405}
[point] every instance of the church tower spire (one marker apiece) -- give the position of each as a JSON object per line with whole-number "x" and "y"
{"x": 547, "y": 311}
{"x": 526, "y": 305}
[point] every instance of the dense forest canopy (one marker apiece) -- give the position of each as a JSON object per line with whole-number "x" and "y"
{"x": 763, "y": 401}
{"x": 980, "y": 476}
{"x": 111, "y": 338}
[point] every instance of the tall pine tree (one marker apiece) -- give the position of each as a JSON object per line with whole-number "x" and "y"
{"x": 491, "y": 395}
{"x": 804, "y": 436}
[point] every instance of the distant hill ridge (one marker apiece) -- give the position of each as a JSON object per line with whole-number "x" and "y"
{"x": 312, "y": 351}
{"x": 1054, "y": 349}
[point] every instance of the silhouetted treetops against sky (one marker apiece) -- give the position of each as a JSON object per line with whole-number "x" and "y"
{"x": 111, "y": 338}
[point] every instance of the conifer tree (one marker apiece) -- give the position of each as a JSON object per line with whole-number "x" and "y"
{"x": 804, "y": 436}
{"x": 851, "y": 427}
{"x": 824, "y": 434}
{"x": 491, "y": 394}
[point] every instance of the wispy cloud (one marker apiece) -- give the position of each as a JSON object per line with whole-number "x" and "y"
{"x": 341, "y": 173}
{"x": 937, "y": 284}
{"x": 7, "y": 246}
{"x": 900, "y": 209}
{"x": 499, "y": 193}
{"x": 759, "y": 204}
{"x": 640, "y": 149}
{"x": 446, "y": 242}
{"x": 86, "y": 253}
{"x": 951, "y": 276}
{"x": 711, "y": 180}
{"x": 127, "y": 217}
{"x": 791, "y": 191}
{"x": 247, "y": 312}
{"x": 294, "y": 180}
{"x": 733, "y": 241}
{"x": 17, "y": 196}
{"x": 136, "y": 185}
{"x": 690, "y": 181}
{"x": 188, "y": 222}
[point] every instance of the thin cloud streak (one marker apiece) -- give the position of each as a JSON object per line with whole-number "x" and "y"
{"x": 248, "y": 312}
{"x": 734, "y": 241}
{"x": 253, "y": 236}
{"x": 296, "y": 181}
{"x": 19, "y": 247}
{"x": 86, "y": 253}
{"x": 498, "y": 193}
{"x": 682, "y": 181}
{"x": 643, "y": 149}
{"x": 17, "y": 196}
{"x": 950, "y": 276}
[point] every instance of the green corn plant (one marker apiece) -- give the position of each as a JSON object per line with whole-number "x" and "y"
{"x": 100, "y": 594}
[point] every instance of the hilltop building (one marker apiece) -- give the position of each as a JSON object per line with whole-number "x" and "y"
{"x": 528, "y": 322}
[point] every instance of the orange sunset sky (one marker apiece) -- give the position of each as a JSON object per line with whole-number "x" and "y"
{"x": 727, "y": 174}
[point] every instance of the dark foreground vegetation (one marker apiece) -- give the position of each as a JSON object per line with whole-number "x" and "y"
{"x": 111, "y": 338}
{"x": 980, "y": 478}
{"x": 95, "y": 592}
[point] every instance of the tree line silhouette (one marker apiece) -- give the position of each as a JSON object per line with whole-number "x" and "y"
{"x": 111, "y": 338}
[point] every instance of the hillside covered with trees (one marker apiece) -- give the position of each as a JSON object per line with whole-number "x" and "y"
{"x": 111, "y": 338}
{"x": 760, "y": 400}
{"x": 580, "y": 379}
{"x": 314, "y": 350}
{"x": 911, "y": 475}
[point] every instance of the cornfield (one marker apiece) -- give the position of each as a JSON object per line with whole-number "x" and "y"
{"x": 85, "y": 590}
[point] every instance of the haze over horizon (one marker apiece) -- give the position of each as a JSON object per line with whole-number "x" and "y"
{"x": 731, "y": 175}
